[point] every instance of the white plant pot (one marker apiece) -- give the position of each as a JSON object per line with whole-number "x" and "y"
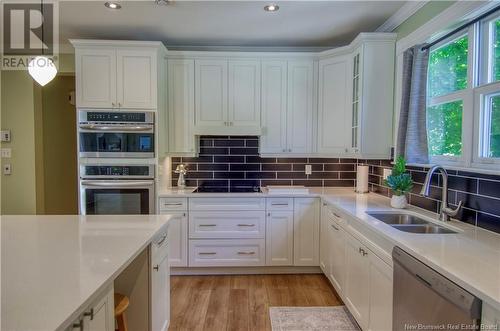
{"x": 399, "y": 201}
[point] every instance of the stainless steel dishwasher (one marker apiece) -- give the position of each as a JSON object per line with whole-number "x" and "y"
{"x": 423, "y": 299}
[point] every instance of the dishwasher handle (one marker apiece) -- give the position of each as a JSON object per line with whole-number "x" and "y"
{"x": 450, "y": 291}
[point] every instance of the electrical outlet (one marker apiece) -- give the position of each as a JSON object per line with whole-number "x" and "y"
{"x": 387, "y": 173}
{"x": 5, "y": 135}
{"x": 308, "y": 169}
{"x": 6, "y": 153}
{"x": 7, "y": 169}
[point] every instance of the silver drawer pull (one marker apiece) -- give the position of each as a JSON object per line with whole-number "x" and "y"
{"x": 207, "y": 225}
{"x": 246, "y": 224}
{"x": 279, "y": 204}
{"x": 333, "y": 226}
{"x": 336, "y": 215}
{"x": 207, "y": 253}
{"x": 162, "y": 240}
{"x": 246, "y": 253}
{"x": 172, "y": 204}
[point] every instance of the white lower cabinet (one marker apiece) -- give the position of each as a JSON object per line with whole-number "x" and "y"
{"x": 306, "y": 232}
{"x": 279, "y": 238}
{"x": 227, "y": 224}
{"x": 160, "y": 283}
{"x": 380, "y": 318}
{"x": 336, "y": 264}
{"x": 99, "y": 316}
{"x": 177, "y": 239}
{"x": 227, "y": 253}
{"x": 357, "y": 285}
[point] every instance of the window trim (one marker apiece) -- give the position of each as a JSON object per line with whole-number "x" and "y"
{"x": 480, "y": 93}
{"x": 485, "y": 69}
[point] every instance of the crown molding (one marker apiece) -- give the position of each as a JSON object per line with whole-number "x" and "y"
{"x": 405, "y": 12}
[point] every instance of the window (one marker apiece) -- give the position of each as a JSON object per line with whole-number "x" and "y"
{"x": 463, "y": 97}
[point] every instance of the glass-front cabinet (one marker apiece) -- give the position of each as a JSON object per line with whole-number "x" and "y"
{"x": 355, "y": 102}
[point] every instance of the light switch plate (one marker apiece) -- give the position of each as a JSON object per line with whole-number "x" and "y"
{"x": 5, "y": 135}
{"x": 7, "y": 169}
{"x": 5, "y": 153}
{"x": 308, "y": 169}
{"x": 387, "y": 173}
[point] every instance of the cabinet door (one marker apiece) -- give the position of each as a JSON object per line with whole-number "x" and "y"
{"x": 100, "y": 316}
{"x": 244, "y": 93}
{"x": 177, "y": 239}
{"x": 380, "y": 294}
{"x": 95, "y": 78}
{"x": 324, "y": 242}
{"x": 337, "y": 256}
{"x": 279, "y": 238}
{"x": 210, "y": 92}
{"x": 300, "y": 106}
{"x": 333, "y": 105}
{"x": 357, "y": 286}
{"x": 180, "y": 106}
{"x": 136, "y": 79}
{"x": 160, "y": 295}
{"x": 306, "y": 232}
{"x": 274, "y": 94}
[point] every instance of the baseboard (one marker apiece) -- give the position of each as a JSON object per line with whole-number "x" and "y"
{"x": 244, "y": 270}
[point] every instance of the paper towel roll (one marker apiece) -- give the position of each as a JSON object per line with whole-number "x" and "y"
{"x": 362, "y": 178}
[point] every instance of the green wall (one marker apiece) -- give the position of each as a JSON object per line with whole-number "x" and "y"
{"x": 423, "y": 15}
{"x": 18, "y": 115}
{"x": 34, "y": 114}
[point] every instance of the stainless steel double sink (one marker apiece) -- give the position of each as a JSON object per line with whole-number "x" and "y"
{"x": 410, "y": 223}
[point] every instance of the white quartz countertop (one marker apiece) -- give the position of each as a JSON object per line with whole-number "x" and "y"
{"x": 52, "y": 266}
{"x": 470, "y": 258}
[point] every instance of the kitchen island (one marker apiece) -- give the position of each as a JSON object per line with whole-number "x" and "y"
{"x": 55, "y": 267}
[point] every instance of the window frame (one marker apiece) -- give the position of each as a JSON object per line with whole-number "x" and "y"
{"x": 464, "y": 95}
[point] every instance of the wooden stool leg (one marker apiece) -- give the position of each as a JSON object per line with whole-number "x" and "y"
{"x": 121, "y": 321}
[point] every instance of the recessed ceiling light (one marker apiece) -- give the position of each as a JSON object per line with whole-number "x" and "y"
{"x": 271, "y": 7}
{"x": 113, "y": 5}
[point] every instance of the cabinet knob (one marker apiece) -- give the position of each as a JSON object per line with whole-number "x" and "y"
{"x": 290, "y": 150}
{"x": 156, "y": 267}
{"x": 119, "y": 104}
{"x": 113, "y": 104}
{"x": 268, "y": 214}
{"x": 284, "y": 150}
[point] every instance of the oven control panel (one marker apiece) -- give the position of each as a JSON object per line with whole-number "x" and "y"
{"x": 117, "y": 171}
{"x": 115, "y": 117}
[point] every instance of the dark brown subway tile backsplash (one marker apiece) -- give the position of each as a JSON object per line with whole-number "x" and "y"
{"x": 479, "y": 192}
{"x": 227, "y": 161}
{"x": 234, "y": 161}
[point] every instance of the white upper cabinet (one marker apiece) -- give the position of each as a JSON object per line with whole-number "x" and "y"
{"x": 300, "y": 106}
{"x": 96, "y": 78}
{"x": 333, "y": 100}
{"x": 136, "y": 78}
{"x": 118, "y": 74}
{"x": 372, "y": 99}
{"x": 244, "y": 93}
{"x": 227, "y": 96}
{"x": 274, "y": 94}
{"x": 180, "y": 100}
{"x": 211, "y": 93}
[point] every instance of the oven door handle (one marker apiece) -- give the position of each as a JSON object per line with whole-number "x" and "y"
{"x": 116, "y": 184}
{"x": 94, "y": 127}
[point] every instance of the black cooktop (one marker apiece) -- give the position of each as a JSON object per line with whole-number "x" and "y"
{"x": 231, "y": 189}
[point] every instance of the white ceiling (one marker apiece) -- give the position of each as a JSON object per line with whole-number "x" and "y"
{"x": 226, "y": 23}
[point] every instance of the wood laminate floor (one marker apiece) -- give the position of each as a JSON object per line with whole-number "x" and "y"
{"x": 241, "y": 302}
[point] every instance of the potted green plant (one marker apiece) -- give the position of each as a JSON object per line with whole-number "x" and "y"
{"x": 400, "y": 183}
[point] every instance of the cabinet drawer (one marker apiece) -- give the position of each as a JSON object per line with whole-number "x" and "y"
{"x": 227, "y": 204}
{"x": 173, "y": 204}
{"x": 220, "y": 253}
{"x": 279, "y": 204}
{"x": 227, "y": 225}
